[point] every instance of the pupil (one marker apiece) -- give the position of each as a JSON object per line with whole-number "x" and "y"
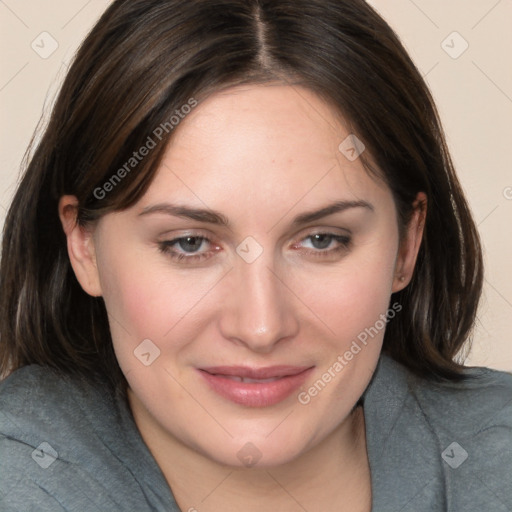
{"x": 321, "y": 241}
{"x": 190, "y": 243}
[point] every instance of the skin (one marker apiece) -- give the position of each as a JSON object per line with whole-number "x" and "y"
{"x": 259, "y": 155}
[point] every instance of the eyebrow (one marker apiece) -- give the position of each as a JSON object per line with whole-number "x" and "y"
{"x": 214, "y": 217}
{"x": 336, "y": 207}
{"x": 199, "y": 214}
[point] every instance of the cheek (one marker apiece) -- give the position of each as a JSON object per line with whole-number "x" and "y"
{"x": 133, "y": 300}
{"x": 146, "y": 299}
{"x": 352, "y": 297}
{"x": 352, "y": 303}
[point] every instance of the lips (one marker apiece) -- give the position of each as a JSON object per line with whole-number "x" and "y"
{"x": 247, "y": 379}
{"x": 255, "y": 387}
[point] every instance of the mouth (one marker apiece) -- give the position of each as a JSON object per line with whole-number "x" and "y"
{"x": 247, "y": 379}
{"x": 255, "y": 387}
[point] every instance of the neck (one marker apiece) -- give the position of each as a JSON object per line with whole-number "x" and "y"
{"x": 332, "y": 476}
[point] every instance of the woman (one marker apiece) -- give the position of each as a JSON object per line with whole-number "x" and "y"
{"x": 237, "y": 273}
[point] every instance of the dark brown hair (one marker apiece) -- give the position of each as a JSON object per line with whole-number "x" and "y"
{"x": 142, "y": 62}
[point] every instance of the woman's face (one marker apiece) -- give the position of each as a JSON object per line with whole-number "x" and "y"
{"x": 260, "y": 251}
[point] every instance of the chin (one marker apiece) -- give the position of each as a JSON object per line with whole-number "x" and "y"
{"x": 259, "y": 451}
{"x": 254, "y": 455}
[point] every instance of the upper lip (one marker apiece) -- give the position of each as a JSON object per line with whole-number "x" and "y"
{"x": 256, "y": 373}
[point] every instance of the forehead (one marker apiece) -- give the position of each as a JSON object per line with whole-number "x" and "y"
{"x": 262, "y": 146}
{"x": 286, "y": 121}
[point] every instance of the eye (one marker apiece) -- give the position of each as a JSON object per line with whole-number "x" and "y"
{"x": 190, "y": 248}
{"x": 190, "y": 244}
{"x": 321, "y": 240}
{"x": 324, "y": 245}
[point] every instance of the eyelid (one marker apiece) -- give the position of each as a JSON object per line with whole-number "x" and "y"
{"x": 343, "y": 239}
{"x": 166, "y": 247}
{"x": 173, "y": 234}
{"x": 311, "y": 231}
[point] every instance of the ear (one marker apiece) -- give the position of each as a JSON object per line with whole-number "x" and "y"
{"x": 80, "y": 245}
{"x": 410, "y": 244}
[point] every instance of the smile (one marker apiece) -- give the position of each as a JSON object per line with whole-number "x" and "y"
{"x": 253, "y": 387}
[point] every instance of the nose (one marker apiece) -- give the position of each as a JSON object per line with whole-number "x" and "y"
{"x": 259, "y": 310}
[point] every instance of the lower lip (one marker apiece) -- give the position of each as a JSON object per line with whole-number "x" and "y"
{"x": 255, "y": 394}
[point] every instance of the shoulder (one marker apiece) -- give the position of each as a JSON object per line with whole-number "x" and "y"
{"x": 471, "y": 421}
{"x": 36, "y": 383}
{"x": 34, "y": 398}
{"x": 445, "y": 444}
{"x": 481, "y": 400}
{"x": 44, "y": 434}
{"x": 68, "y": 444}
{"x": 38, "y": 403}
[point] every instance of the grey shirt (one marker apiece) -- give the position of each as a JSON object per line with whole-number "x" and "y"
{"x": 67, "y": 445}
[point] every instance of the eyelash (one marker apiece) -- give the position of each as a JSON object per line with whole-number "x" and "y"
{"x": 166, "y": 247}
{"x": 344, "y": 242}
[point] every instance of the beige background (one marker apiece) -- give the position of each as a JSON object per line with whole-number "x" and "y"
{"x": 473, "y": 91}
